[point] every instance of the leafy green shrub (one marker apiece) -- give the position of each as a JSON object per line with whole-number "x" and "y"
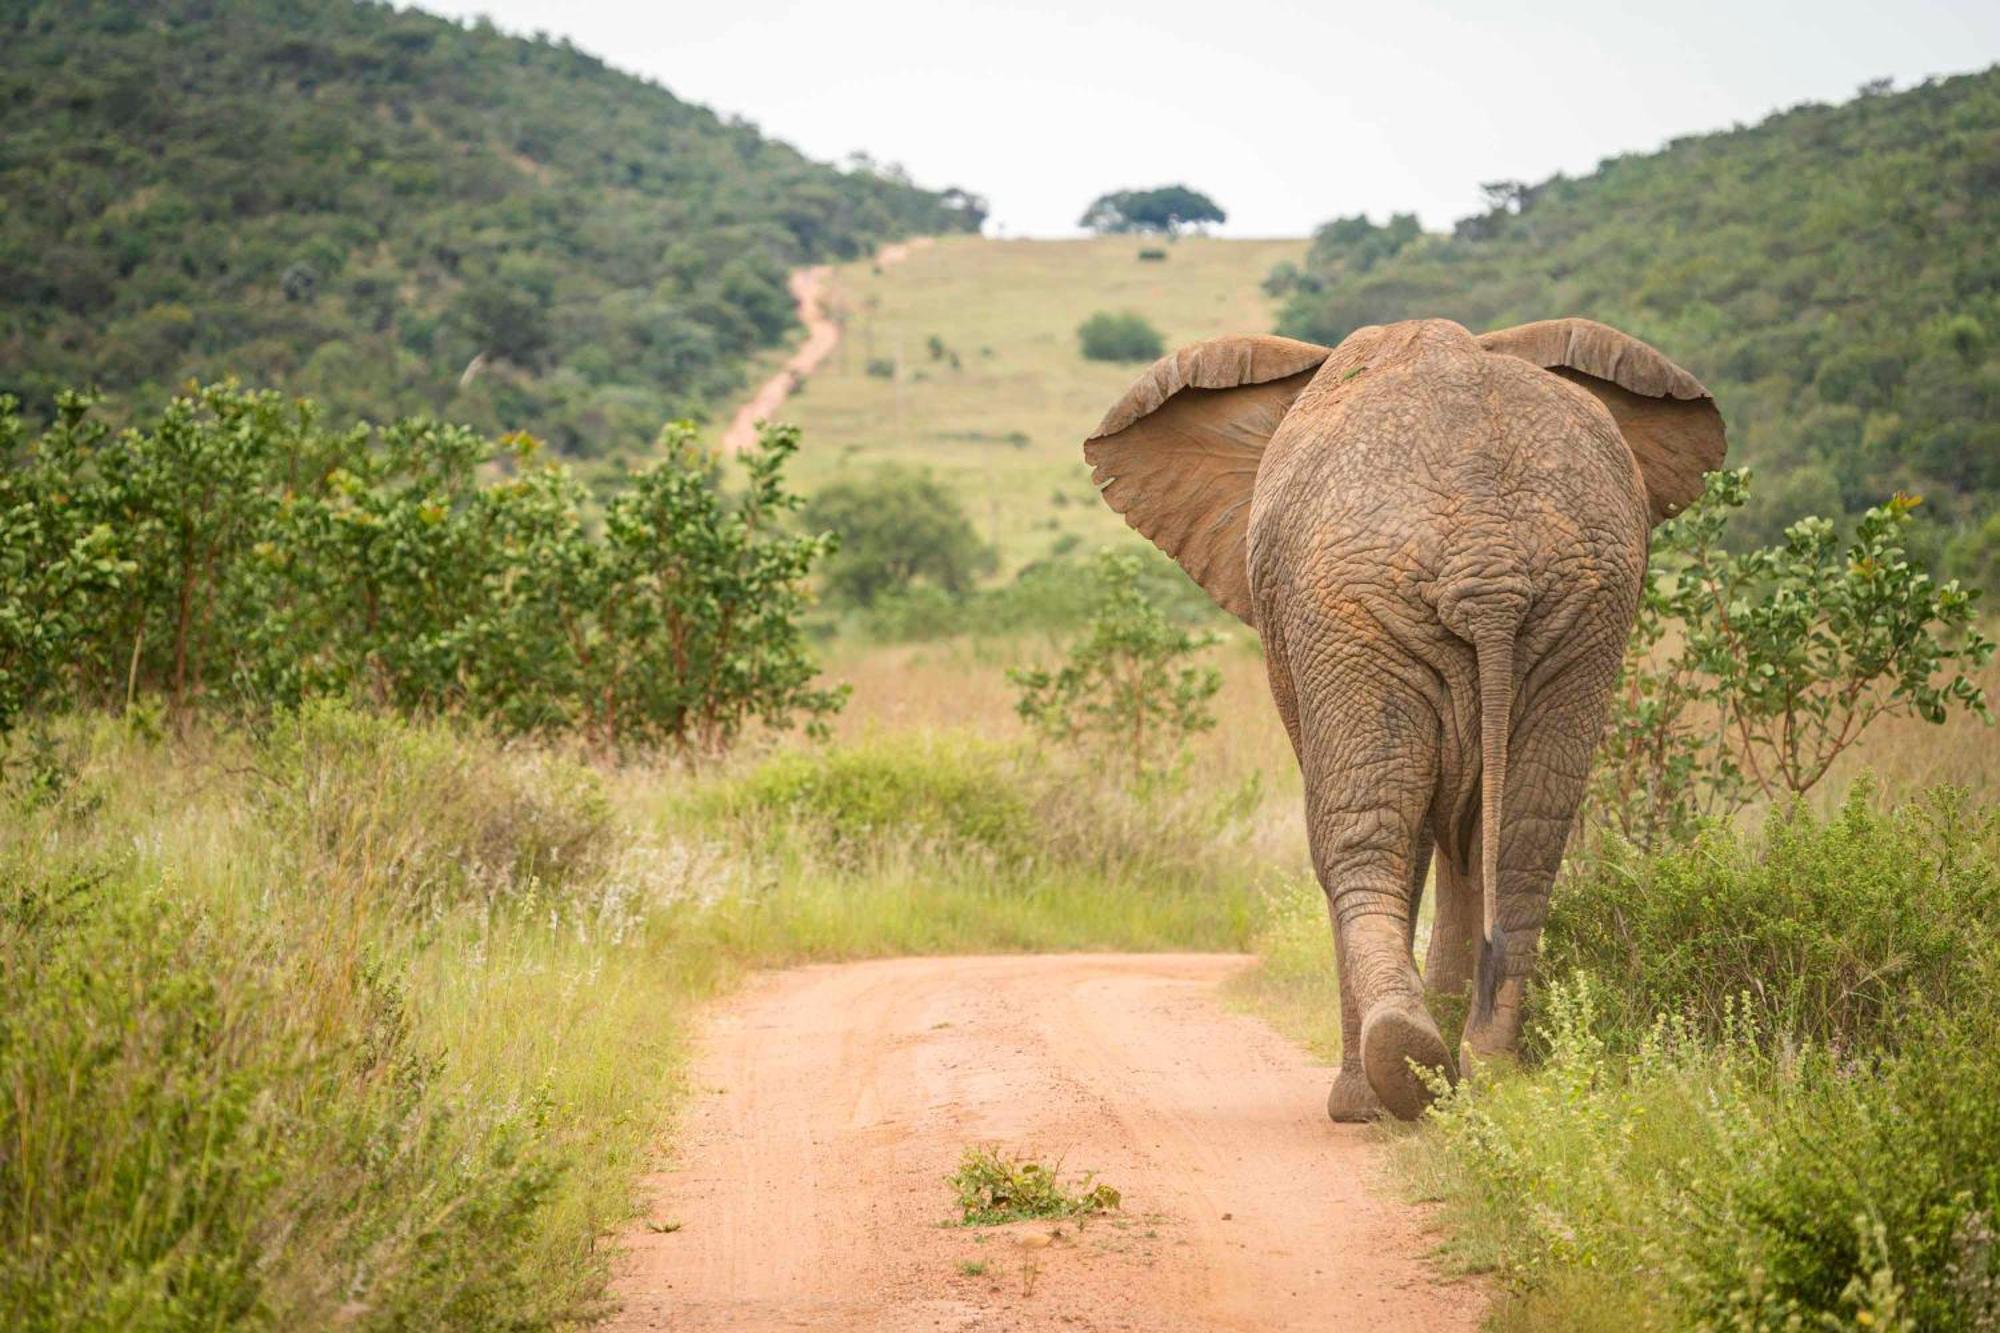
{"x": 428, "y": 817}
{"x": 1782, "y": 658}
{"x": 897, "y": 528}
{"x": 1152, "y": 254}
{"x": 1876, "y": 1193}
{"x": 960, "y": 796}
{"x": 1765, "y": 1094}
{"x": 1119, "y": 337}
{"x": 238, "y": 553}
{"x": 1126, "y": 689}
{"x": 1834, "y": 931}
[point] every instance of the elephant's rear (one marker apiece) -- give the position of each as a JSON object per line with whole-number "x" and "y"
{"x": 1441, "y": 540}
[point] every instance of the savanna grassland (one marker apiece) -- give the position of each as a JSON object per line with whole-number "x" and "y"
{"x": 998, "y": 411}
{"x": 373, "y": 833}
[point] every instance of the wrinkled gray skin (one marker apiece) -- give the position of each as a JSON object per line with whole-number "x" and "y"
{"x": 1444, "y": 550}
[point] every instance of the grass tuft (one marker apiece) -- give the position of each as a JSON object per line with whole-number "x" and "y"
{"x": 994, "y": 1187}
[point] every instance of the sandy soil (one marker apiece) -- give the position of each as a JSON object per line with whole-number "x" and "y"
{"x": 830, "y": 1103}
{"x": 809, "y": 288}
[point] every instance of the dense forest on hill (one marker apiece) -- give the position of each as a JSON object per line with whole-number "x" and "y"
{"x": 395, "y": 213}
{"x": 1832, "y": 275}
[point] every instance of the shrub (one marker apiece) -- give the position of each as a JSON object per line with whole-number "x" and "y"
{"x": 954, "y": 797}
{"x": 1835, "y": 931}
{"x": 1153, "y": 255}
{"x": 1119, "y": 337}
{"x": 897, "y": 527}
{"x": 1126, "y": 689}
{"x": 238, "y": 553}
{"x": 1781, "y": 658}
{"x": 1765, "y": 1094}
{"x": 995, "y": 1187}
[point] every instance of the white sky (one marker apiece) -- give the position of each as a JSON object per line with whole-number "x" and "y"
{"x": 1286, "y": 113}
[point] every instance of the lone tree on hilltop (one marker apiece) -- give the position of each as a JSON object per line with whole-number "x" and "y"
{"x": 1164, "y": 210}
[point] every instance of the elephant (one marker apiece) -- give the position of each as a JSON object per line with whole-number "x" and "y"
{"x": 1441, "y": 540}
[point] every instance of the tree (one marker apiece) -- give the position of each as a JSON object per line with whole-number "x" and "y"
{"x": 1128, "y": 688}
{"x": 1163, "y": 210}
{"x": 1119, "y": 337}
{"x": 897, "y": 527}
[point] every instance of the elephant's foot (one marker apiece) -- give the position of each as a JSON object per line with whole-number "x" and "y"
{"x": 1393, "y": 1039}
{"x": 1352, "y": 1100}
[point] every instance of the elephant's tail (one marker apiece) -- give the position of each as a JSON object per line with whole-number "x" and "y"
{"x": 1494, "y": 652}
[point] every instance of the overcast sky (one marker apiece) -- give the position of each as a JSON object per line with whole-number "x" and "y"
{"x": 1287, "y": 113}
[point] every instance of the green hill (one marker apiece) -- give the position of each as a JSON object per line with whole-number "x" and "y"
{"x": 395, "y": 213}
{"x": 1832, "y": 274}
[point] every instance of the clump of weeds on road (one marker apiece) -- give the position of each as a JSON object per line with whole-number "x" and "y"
{"x": 996, "y": 1187}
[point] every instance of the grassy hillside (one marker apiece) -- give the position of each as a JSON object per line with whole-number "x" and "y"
{"x": 1832, "y": 275}
{"x": 1001, "y": 410}
{"x": 395, "y": 213}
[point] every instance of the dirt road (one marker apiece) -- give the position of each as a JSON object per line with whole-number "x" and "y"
{"x": 830, "y": 1103}
{"x": 809, "y": 288}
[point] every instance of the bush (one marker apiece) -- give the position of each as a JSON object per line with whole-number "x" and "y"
{"x": 897, "y": 528}
{"x": 1119, "y": 337}
{"x": 1125, "y": 691}
{"x": 237, "y": 553}
{"x": 1765, "y": 1096}
{"x": 1152, "y": 254}
{"x": 1837, "y": 932}
{"x": 954, "y": 798}
{"x": 1783, "y": 657}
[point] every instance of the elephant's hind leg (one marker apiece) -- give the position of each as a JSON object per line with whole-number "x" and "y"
{"x": 1370, "y": 759}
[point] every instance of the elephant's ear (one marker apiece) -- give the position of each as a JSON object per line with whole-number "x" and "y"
{"x": 1178, "y": 455}
{"x": 1668, "y": 420}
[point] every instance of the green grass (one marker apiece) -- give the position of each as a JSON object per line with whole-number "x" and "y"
{"x": 378, "y": 1024}
{"x": 1005, "y": 427}
{"x": 995, "y": 1187}
{"x": 1706, "y": 1135}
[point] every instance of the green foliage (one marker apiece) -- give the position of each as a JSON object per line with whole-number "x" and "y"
{"x": 1128, "y": 688}
{"x": 995, "y": 1187}
{"x": 1123, "y": 336}
{"x": 1837, "y": 932}
{"x": 1766, "y": 1097}
{"x": 1058, "y": 594}
{"x": 238, "y": 553}
{"x": 426, "y": 819}
{"x": 1163, "y": 210}
{"x": 898, "y": 529}
{"x": 188, "y": 1145}
{"x": 55, "y": 560}
{"x": 398, "y": 213}
{"x": 1827, "y": 274}
{"x": 1749, "y": 674}
{"x": 960, "y": 798}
